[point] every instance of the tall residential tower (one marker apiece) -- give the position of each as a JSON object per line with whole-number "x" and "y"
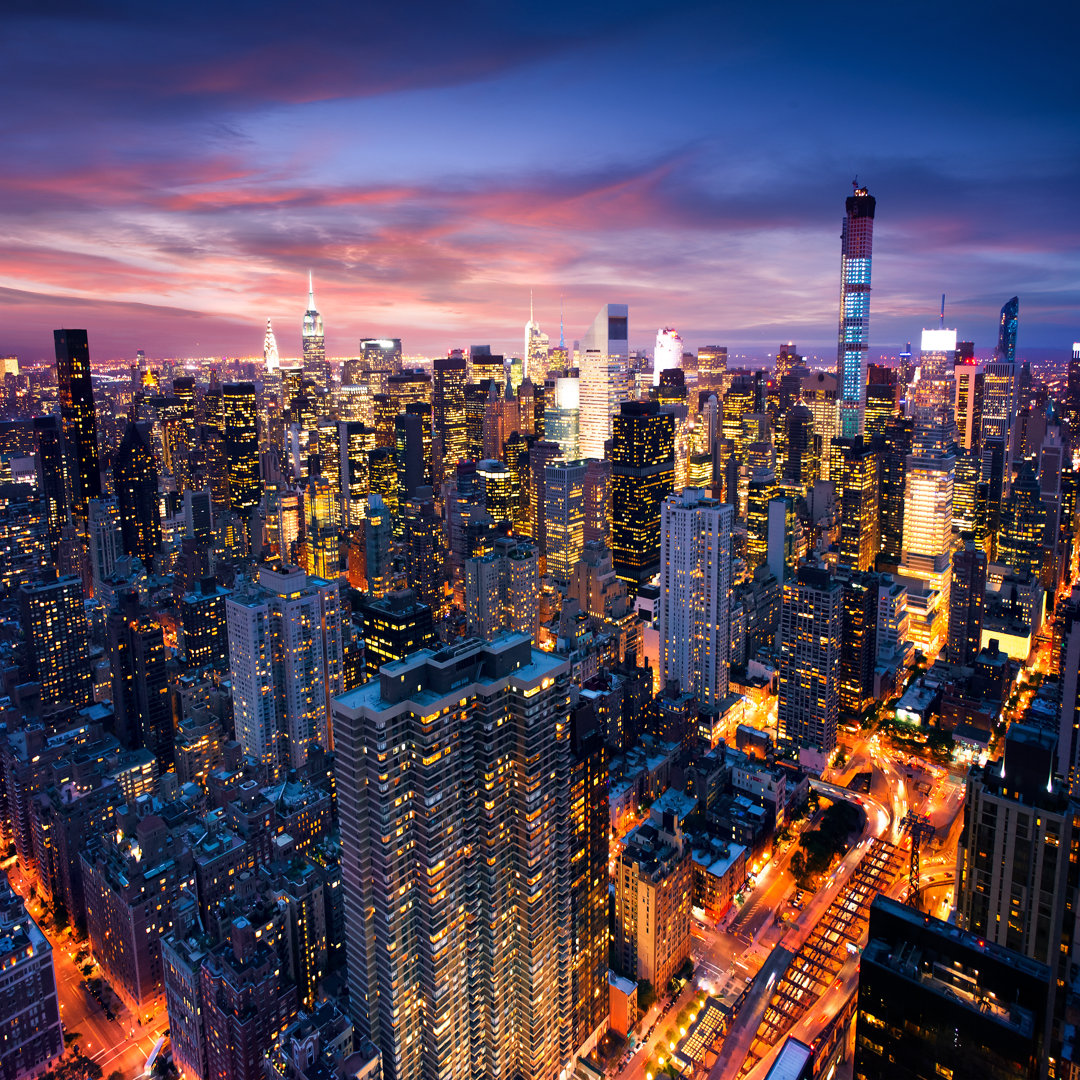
{"x": 855, "y": 251}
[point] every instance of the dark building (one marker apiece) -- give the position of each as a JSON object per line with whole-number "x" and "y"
{"x": 422, "y": 529}
{"x": 136, "y": 481}
{"x": 1023, "y": 526}
{"x": 896, "y": 444}
{"x": 642, "y": 476}
{"x": 859, "y": 503}
{"x": 1072, "y": 397}
{"x": 240, "y": 427}
{"x": 77, "y": 416}
{"x": 935, "y": 1001}
{"x": 246, "y": 1001}
{"x": 140, "y": 685}
{"x": 409, "y": 453}
{"x": 395, "y": 627}
{"x": 53, "y": 479}
{"x": 858, "y": 653}
{"x": 1010, "y": 316}
{"x": 967, "y": 600}
{"x": 206, "y": 635}
{"x": 589, "y": 822}
{"x": 57, "y": 644}
{"x": 802, "y": 461}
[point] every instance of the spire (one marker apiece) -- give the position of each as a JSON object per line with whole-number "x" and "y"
{"x": 562, "y": 336}
{"x": 310, "y": 291}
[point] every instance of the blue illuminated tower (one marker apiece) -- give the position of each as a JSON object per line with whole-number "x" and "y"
{"x": 1010, "y": 316}
{"x": 855, "y": 251}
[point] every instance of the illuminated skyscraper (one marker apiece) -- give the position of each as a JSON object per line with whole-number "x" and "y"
{"x": 270, "y": 349}
{"x": 1072, "y": 395}
{"x": 136, "y": 482}
{"x": 564, "y": 515}
{"x": 285, "y": 662}
{"x": 449, "y": 377}
{"x": 562, "y": 418}
{"x": 967, "y": 404}
{"x": 536, "y": 349}
{"x": 1023, "y": 525}
{"x": 811, "y": 627}
{"x": 605, "y": 353}
{"x": 926, "y": 564}
{"x": 314, "y": 341}
{"x": 77, "y": 416}
{"x": 882, "y": 397}
{"x": 712, "y": 367}
{"x": 695, "y": 590}
{"x": 240, "y": 426}
{"x": 858, "y": 642}
{"x": 57, "y": 644}
{"x": 668, "y": 353}
{"x": 1000, "y": 385}
{"x": 896, "y": 446}
{"x": 458, "y": 920}
{"x": 856, "y": 249}
{"x": 1010, "y": 316}
{"x": 860, "y": 532}
{"x": 642, "y": 476}
{"x": 933, "y": 394}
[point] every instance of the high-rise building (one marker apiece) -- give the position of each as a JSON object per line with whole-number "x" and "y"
{"x": 1072, "y": 396}
{"x": 240, "y": 427}
{"x": 695, "y": 594}
{"x": 712, "y": 367}
{"x": 604, "y": 376}
{"x": 1017, "y": 871}
{"x": 1000, "y": 387}
{"x": 564, "y": 516}
{"x": 819, "y": 394}
{"x": 1023, "y": 527}
{"x": 932, "y": 395}
{"x": 77, "y": 416}
{"x": 562, "y": 418}
{"x": 882, "y": 398}
{"x": 536, "y": 349}
{"x": 313, "y": 338}
{"x": 642, "y": 476}
{"x": 858, "y": 644}
{"x": 395, "y": 627}
{"x": 1006, "y": 343}
{"x": 967, "y": 404}
{"x": 106, "y": 539}
{"x": 811, "y": 630}
{"x": 967, "y": 600}
{"x": 935, "y": 1001}
{"x": 285, "y": 662}
{"x": 761, "y": 490}
{"x": 57, "y": 642}
{"x": 205, "y": 629}
{"x": 897, "y": 440}
{"x": 458, "y": 921}
{"x": 668, "y": 354}
{"x": 424, "y": 543}
{"x": 52, "y": 468}
{"x": 136, "y": 482}
{"x": 270, "y": 350}
{"x": 856, "y": 248}
{"x": 858, "y": 488}
{"x": 926, "y": 564}
{"x": 140, "y": 686}
{"x": 589, "y": 824}
{"x": 449, "y": 378}
{"x": 31, "y": 1032}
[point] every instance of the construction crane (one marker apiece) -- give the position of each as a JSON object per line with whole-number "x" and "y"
{"x": 919, "y": 828}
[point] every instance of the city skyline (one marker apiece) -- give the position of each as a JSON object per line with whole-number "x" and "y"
{"x": 432, "y": 186}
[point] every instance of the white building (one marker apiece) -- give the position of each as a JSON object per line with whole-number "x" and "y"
{"x": 285, "y": 663}
{"x": 605, "y": 380}
{"x": 668, "y": 352}
{"x": 695, "y": 588}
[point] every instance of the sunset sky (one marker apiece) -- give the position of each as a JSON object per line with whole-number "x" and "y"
{"x": 170, "y": 172}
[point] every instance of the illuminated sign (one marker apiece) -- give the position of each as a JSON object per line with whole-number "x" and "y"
{"x": 936, "y": 341}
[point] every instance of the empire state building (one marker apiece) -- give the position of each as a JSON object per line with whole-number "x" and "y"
{"x": 314, "y": 340}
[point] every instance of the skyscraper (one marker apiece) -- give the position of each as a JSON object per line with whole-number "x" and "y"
{"x": 967, "y": 599}
{"x": 967, "y": 405}
{"x": 859, "y": 504}
{"x": 285, "y": 653}
{"x": 811, "y": 628}
{"x": 240, "y": 426}
{"x": 449, "y": 377}
{"x": 856, "y": 246}
{"x": 897, "y": 441}
{"x": 457, "y": 919}
{"x": 140, "y": 689}
{"x": 1006, "y": 344}
{"x": 882, "y": 397}
{"x": 858, "y": 642}
{"x": 270, "y": 349}
{"x": 642, "y": 476}
{"x": 136, "y": 482}
{"x": 695, "y": 594}
{"x": 564, "y": 516}
{"x": 605, "y": 352}
{"x": 668, "y": 354}
{"x": 1001, "y": 380}
{"x": 314, "y": 341}
{"x": 77, "y": 416}
{"x": 57, "y": 643}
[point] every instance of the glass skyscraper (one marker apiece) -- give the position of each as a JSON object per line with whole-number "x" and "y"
{"x": 856, "y": 246}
